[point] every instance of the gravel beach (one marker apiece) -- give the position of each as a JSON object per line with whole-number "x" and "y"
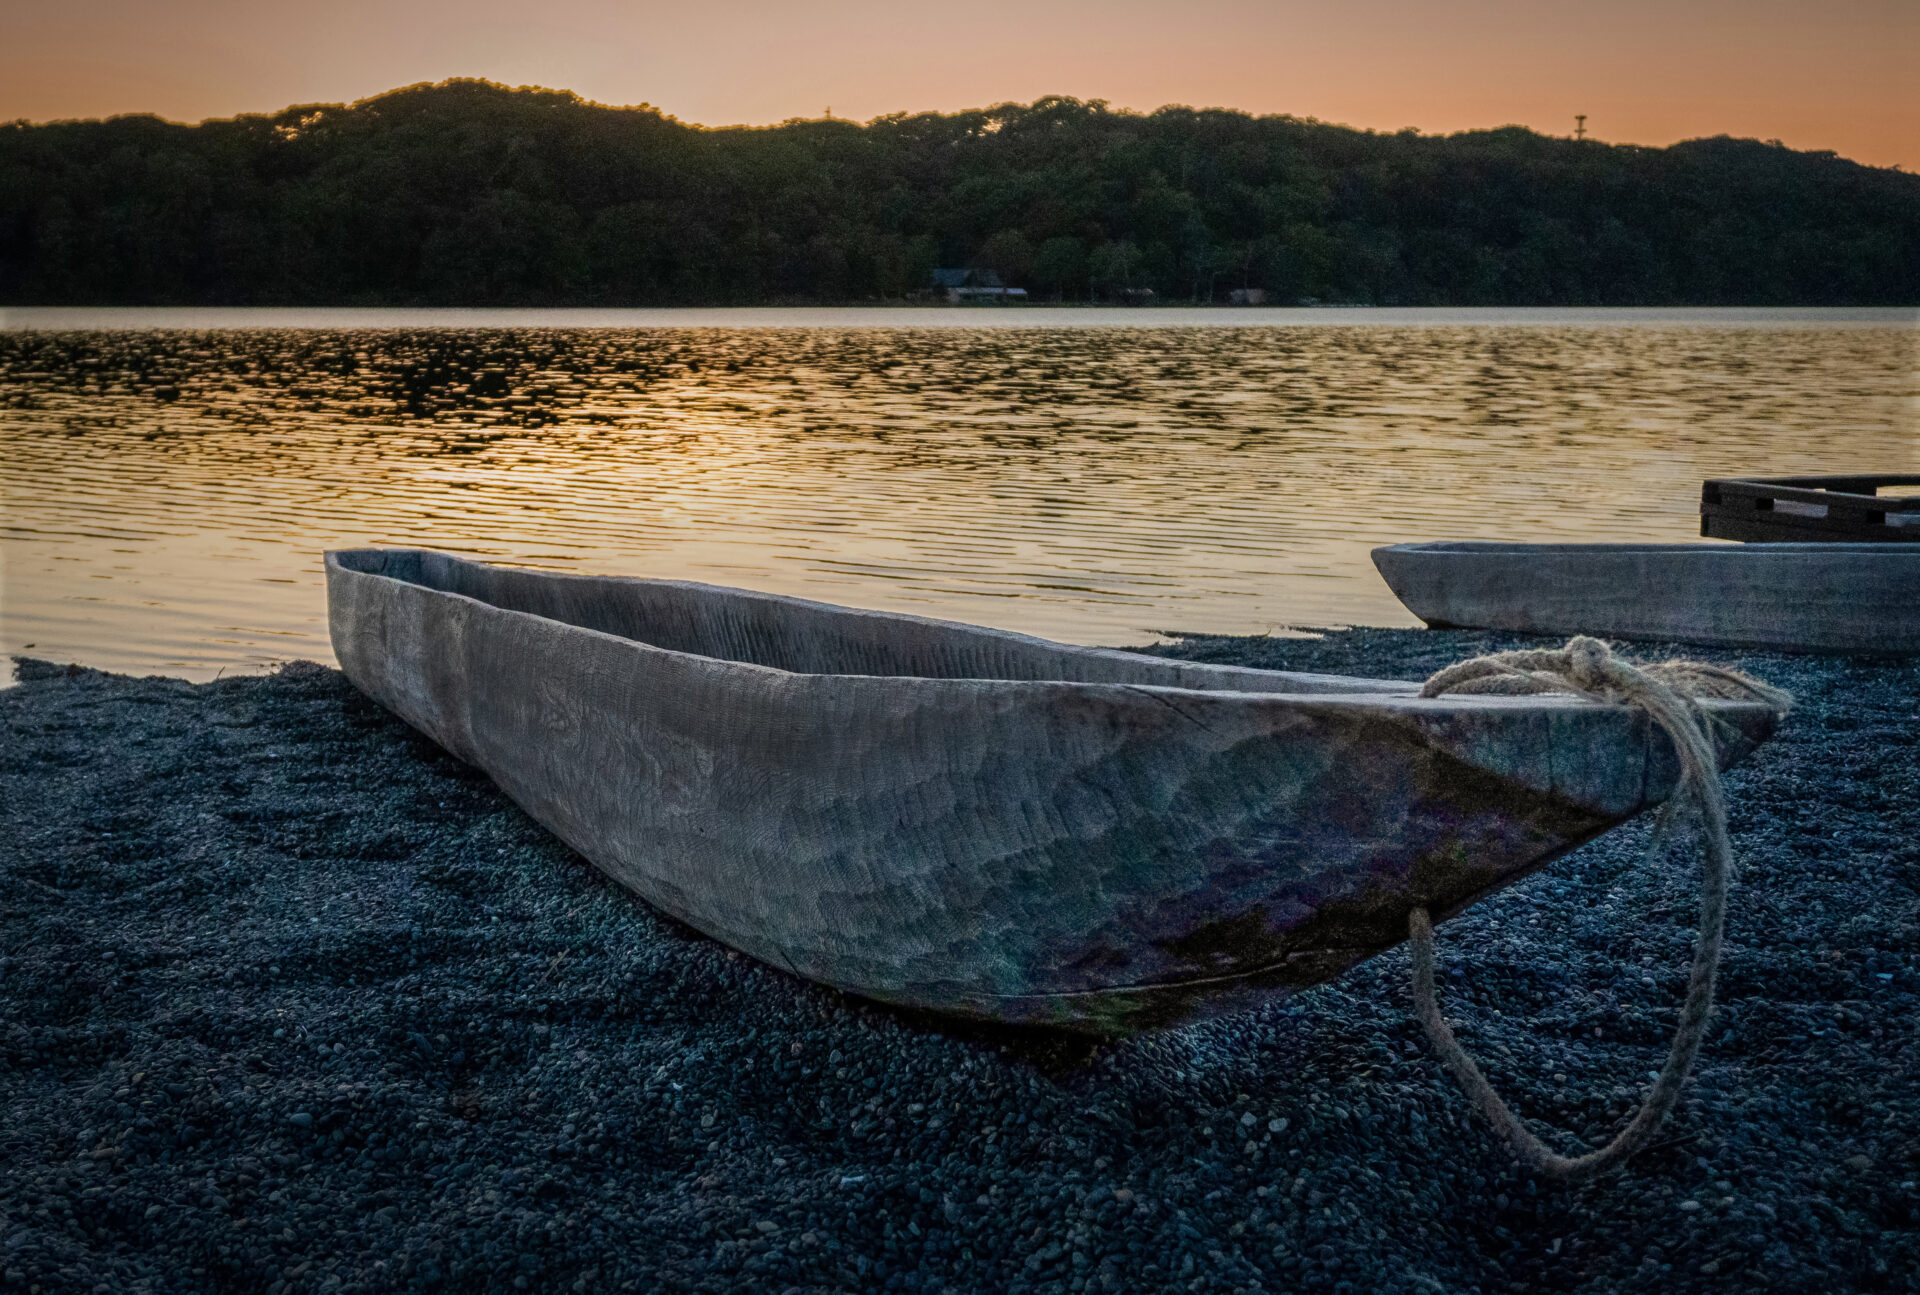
{"x": 291, "y": 1001}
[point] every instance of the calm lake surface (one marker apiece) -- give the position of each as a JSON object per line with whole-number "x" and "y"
{"x": 168, "y": 479}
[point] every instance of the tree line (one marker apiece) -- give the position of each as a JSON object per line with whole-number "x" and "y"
{"x": 469, "y": 193}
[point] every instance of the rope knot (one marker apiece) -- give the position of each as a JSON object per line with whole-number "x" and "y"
{"x": 1587, "y": 662}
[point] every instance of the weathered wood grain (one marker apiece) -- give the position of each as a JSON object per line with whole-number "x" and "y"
{"x": 978, "y": 822}
{"x": 1853, "y": 598}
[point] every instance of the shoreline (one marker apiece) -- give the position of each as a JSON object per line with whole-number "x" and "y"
{"x": 937, "y": 315}
{"x": 294, "y": 1001}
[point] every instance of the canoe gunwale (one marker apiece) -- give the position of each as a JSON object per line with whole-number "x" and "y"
{"x": 1398, "y": 692}
{"x": 1315, "y": 684}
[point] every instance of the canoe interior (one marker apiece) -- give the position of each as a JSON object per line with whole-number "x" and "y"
{"x": 805, "y": 637}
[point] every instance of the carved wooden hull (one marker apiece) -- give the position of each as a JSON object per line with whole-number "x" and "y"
{"x": 1816, "y": 597}
{"x": 982, "y": 823}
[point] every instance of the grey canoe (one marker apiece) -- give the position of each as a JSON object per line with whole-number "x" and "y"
{"x": 977, "y": 822}
{"x": 1812, "y": 597}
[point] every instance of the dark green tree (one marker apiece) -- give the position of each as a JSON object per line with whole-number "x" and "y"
{"x": 471, "y": 193}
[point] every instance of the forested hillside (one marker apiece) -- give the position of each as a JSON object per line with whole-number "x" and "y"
{"x": 468, "y": 193}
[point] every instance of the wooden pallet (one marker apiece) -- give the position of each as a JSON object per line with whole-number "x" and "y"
{"x": 1784, "y": 509}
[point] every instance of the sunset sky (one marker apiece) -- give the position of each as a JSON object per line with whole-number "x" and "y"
{"x": 1837, "y": 75}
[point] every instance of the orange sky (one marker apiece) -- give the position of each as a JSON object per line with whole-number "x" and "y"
{"x": 1836, "y": 75}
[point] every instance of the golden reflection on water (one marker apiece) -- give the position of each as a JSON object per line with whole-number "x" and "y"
{"x": 167, "y": 494}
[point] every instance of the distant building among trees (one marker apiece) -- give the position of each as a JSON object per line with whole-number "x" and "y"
{"x": 975, "y": 285}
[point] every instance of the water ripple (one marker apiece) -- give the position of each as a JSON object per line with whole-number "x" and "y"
{"x": 167, "y": 493}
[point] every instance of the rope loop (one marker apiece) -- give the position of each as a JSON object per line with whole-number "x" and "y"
{"x": 1668, "y": 693}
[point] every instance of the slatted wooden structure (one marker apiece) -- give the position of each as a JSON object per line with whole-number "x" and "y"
{"x": 1786, "y": 509}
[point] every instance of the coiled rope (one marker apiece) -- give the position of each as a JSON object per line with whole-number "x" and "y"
{"x": 1668, "y": 694}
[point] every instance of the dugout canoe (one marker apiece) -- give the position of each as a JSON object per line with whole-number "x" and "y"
{"x": 977, "y": 822}
{"x": 1814, "y": 597}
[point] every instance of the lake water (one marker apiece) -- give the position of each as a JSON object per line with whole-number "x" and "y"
{"x": 168, "y": 479}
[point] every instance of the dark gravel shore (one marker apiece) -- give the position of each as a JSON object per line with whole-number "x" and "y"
{"x": 292, "y": 1001}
